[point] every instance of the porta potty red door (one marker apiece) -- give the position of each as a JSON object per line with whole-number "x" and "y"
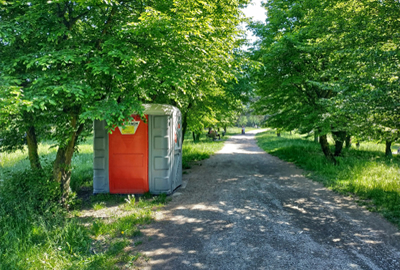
{"x": 129, "y": 158}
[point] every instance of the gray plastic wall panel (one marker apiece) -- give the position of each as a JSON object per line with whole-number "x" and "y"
{"x": 160, "y": 159}
{"x": 100, "y": 158}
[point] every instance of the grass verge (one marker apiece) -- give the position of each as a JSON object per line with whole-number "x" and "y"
{"x": 365, "y": 172}
{"x": 99, "y": 232}
{"x": 203, "y": 149}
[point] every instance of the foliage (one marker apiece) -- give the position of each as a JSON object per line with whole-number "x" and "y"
{"x": 36, "y": 233}
{"x": 364, "y": 172}
{"x": 66, "y": 63}
{"x": 329, "y": 67}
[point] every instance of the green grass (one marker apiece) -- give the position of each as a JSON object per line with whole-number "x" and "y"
{"x": 36, "y": 233}
{"x": 238, "y": 130}
{"x": 31, "y": 239}
{"x": 197, "y": 151}
{"x": 365, "y": 172}
{"x": 82, "y": 162}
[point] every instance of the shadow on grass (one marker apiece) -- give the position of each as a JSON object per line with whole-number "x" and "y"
{"x": 370, "y": 175}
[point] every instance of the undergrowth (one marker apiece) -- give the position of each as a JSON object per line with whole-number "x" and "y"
{"x": 37, "y": 233}
{"x": 365, "y": 171}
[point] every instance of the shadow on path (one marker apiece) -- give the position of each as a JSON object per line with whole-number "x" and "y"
{"x": 245, "y": 209}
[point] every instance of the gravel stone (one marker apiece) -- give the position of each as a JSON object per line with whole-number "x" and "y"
{"x": 245, "y": 209}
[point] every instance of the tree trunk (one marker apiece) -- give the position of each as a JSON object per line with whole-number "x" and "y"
{"x": 62, "y": 170}
{"x": 184, "y": 126}
{"x": 348, "y": 141}
{"x": 196, "y": 136}
{"x": 32, "y": 143}
{"x": 388, "y": 150}
{"x": 325, "y": 148}
{"x": 62, "y": 163}
{"x": 339, "y": 137}
{"x": 316, "y": 137}
{"x": 184, "y": 122}
{"x": 278, "y": 134}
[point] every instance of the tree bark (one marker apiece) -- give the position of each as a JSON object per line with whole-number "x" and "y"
{"x": 62, "y": 163}
{"x": 32, "y": 143}
{"x": 325, "y": 148}
{"x": 388, "y": 150}
{"x": 339, "y": 137}
{"x": 184, "y": 122}
{"x": 184, "y": 126}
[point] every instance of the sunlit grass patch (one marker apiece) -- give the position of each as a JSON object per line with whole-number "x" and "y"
{"x": 364, "y": 171}
{"x": 82, "y": 162}
{"x": 199, "y": 151}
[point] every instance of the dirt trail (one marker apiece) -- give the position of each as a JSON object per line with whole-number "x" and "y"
{"x": 245, "y": 209}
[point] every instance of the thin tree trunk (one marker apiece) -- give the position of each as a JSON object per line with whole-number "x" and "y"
{"x": 184, "y": 126}
{"x": 325, "y": 148}
{"x": 340, "y": 137}
{"x": 62, "y": 163}
{"x": 184, "y": 122}
{"x": 388, "y": 150}
{"x": 32, "y": 143}
{"x": 194, "y": 137}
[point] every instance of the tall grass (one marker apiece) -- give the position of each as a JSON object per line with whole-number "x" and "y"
{"x": 82, "y": 162}
{"x": 364, "y": 171}
{"x": 36, "y": 233}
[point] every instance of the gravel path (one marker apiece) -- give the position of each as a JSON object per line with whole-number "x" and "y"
{"x": 245, "y": 209}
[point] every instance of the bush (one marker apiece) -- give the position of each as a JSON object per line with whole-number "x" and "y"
{"x": 29, "y": 194}
{"x": 28, "y": 208}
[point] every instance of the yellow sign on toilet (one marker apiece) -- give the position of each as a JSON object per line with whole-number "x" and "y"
{"x": 129, "y": 128}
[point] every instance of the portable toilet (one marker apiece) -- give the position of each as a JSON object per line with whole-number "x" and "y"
{"x": 143, "y": 156}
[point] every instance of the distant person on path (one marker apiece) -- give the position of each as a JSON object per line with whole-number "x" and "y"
{"x": 243, "y": 131}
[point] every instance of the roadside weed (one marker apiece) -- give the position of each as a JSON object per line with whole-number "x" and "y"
{"x": 99, "y": 205}
{"x": 365, "y": 171}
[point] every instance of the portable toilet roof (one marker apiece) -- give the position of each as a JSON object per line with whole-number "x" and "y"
{"x": 146, "y": 156}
